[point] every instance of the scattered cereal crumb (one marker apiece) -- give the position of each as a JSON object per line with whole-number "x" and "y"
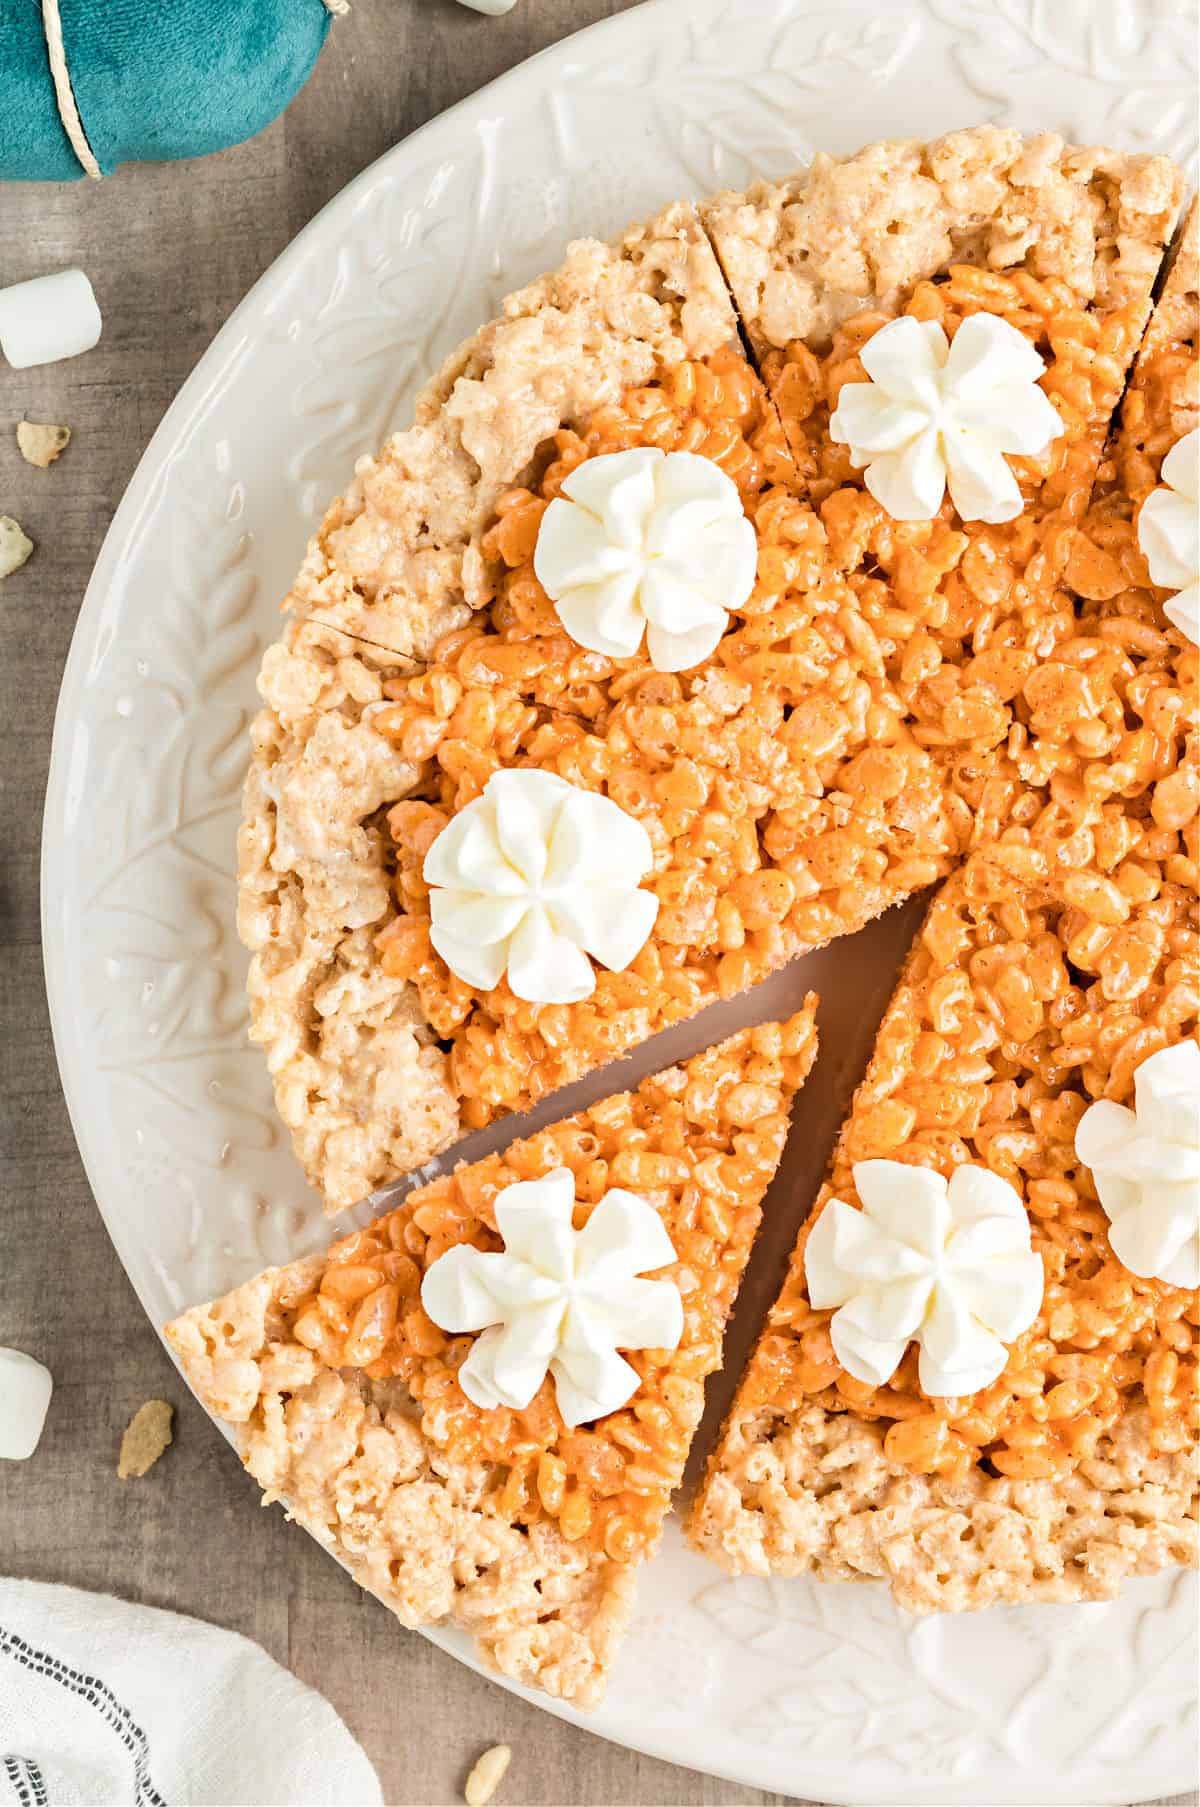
{"x": 148, "y": 1434}
{"x": 487, "y": 1775}
{"x": 15, "y": 546}
{"x": 41, "y": 443}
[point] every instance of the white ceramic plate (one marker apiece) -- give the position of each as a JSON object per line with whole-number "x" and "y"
{"x": 825, "y": 1692}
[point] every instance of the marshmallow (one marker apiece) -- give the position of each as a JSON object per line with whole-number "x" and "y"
{"x": 48, "y": 318}
{"x": 25, "y": 1388}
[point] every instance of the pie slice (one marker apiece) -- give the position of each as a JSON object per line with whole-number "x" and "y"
{"x": 1041, "y": 231}
{"x": 401, "y": 559}
{"x": 348, "y": 1406}
{"x": 1076, "y": 1467}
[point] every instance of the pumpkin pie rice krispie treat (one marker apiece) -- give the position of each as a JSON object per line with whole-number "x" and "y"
{"x": 483, "y": 1401}
{"x": 1022, "y": 1423}
{"x": 789, "y": 681}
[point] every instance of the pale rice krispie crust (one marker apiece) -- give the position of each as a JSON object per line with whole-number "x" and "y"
{"x": 814, "y": 1492}
{"x": 861, "y": 232}
{"x": 346, "y": 1456}
{"x": 1163, "y": 400}
{"x": 359, "y": 1079}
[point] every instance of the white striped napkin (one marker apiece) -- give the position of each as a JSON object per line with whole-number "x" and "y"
{"x": 104, "y": 1703}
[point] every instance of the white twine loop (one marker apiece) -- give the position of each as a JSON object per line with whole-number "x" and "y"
{"x": 64, "y": 94}
{"x": 68, "y": 112}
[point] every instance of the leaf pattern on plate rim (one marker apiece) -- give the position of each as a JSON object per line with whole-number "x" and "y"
{"x": 1137, "y": 66}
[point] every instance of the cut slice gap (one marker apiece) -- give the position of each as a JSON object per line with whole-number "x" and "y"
{"x": 1177, "y": 290}
{"x": 852, "y": 978}
{"x": 1159, "y": 406}
{"x": 346, "y": 1404}
{"x": 1106, "y": 566}
{"x": 754, "y": 355}
{"x": 345, "y": 644}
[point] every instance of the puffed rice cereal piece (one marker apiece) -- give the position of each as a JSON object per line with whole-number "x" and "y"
{"x": 15, "y": 546}
{"x": 487, "y": 1774}
{"x": 40, "y": 443}
{"x": 147, "y": 1435}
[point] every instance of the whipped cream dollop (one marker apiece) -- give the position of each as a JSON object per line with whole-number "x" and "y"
{"x": 559, "y": 1301}
{"x": 1146, "y": 1166}
{"x": 1169, "y": 534}
{"x": 937, "y": 414}
{"x": 945, "y": 1265}
{"x": 532, "y": 877}
{"x": 647, "y": 542}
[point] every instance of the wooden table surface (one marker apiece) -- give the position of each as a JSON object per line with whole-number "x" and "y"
{"x": 171, "y": 250}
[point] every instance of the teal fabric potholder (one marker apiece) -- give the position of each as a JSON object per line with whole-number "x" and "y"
{"x": 152, "y": 79}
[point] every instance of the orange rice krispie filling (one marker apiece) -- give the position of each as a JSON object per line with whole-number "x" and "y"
{"x": 716, "y": 928}
{"x": 836, "y": 753}
{"x": 714, "y": 407}
{"x": 1087, "y": 355}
